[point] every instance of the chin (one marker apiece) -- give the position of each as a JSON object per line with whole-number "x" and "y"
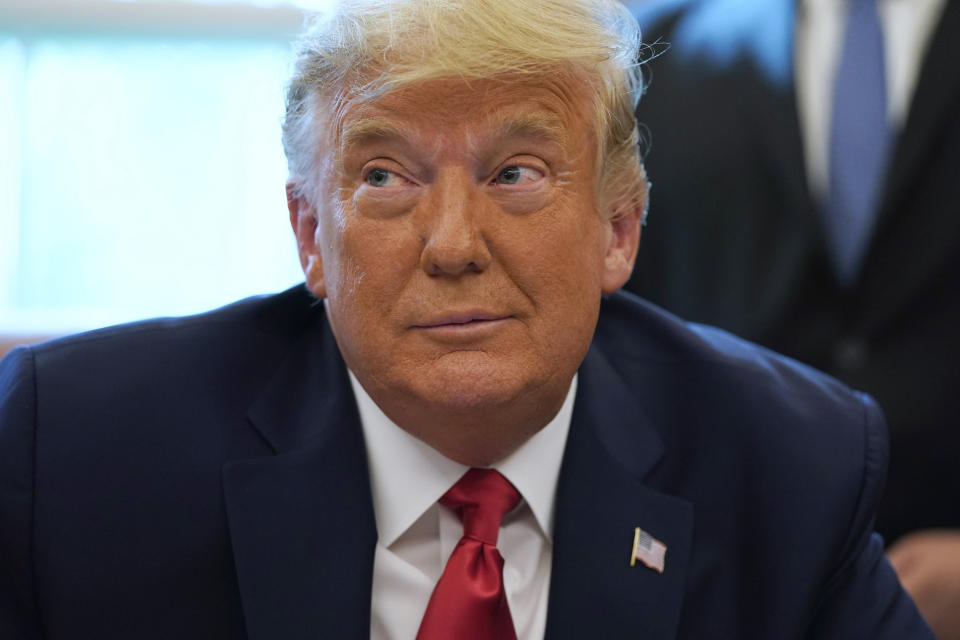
{"x": 471, "y": 382}
{"x": 469, "y": 395}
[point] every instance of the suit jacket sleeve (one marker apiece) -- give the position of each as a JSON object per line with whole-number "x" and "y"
{"x": 18, "y": 607}
{"x": 863, "y": 598}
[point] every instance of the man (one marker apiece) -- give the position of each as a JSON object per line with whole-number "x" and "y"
{"x": 739, "y": 111}
{"x": 751, "y": 155}
{"x": 466, "y": 196}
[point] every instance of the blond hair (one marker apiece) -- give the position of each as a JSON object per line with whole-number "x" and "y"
{"x": 363, "y": 49}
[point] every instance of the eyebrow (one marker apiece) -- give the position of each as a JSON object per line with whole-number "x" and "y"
{"x": 370, "y": 130}
{"x": 536, "y": 124}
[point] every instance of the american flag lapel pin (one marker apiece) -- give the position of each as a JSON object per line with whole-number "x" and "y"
{"x": 648, "y": 550}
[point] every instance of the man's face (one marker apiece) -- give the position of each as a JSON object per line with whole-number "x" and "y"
{"x": 458, "y": 244}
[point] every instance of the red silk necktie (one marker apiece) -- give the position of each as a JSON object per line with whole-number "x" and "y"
{"x": 469, "y": 601}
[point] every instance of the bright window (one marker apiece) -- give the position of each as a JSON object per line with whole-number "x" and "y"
{"x": 141, "y": 170}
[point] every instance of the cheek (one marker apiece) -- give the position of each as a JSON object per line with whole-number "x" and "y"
{"x": 342, "y": 265}
{"x": 372, "y": 260}
{"x": 564, "y": 254}
{"x": 558, "y": 268}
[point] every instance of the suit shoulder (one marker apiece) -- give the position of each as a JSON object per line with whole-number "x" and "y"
{"x": 256, "y": 319}
{"x": 735, "y": 415}
{"x": 242, "y": 343}
{"x": 660, "y": 15}
{"x": 714, "y": 37}
{"x": 750, "y": 385}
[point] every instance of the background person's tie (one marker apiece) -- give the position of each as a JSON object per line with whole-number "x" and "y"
{"x": 469, "y": 601}
{"x": 859, "y": 140}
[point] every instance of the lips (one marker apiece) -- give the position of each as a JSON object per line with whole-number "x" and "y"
{"x": 464, "y": 320}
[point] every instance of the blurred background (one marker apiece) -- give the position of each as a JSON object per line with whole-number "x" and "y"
{"x": 141, "y": 170}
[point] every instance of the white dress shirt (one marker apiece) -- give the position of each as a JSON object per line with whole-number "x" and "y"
{"x": 416, "y": 535}
{"x": 907, "y": 28}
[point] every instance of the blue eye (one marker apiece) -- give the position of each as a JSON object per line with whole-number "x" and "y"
{"x": 509, "y": 175}
{"x": 378, "y": 177}
{"x": 516, "y": 174}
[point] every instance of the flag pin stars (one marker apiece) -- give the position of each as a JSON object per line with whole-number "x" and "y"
{"x": 648, "y": 550}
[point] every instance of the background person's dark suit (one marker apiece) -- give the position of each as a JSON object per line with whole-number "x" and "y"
{"x": 735, "y": 238}
{"x": 206, "y": 478}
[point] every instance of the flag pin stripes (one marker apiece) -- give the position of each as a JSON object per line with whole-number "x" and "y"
{"x": 648, "y": 550}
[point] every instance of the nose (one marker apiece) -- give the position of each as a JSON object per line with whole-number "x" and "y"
{"x": 454, "y": 241}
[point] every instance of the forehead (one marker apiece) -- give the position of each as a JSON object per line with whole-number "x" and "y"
{"x": 553, "y": 108}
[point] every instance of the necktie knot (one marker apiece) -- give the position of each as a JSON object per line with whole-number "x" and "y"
{"x": 481, "y": 498}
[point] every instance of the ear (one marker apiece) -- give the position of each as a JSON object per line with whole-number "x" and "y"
{"x": 303, "y": 219}
{"x": 623, "y": 240}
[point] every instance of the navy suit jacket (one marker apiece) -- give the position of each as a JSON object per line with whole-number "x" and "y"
{"x": 206, "y": 478}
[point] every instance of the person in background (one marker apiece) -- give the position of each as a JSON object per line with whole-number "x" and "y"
{"x": 806, "y": 162}
{"x": 459, "y": 427}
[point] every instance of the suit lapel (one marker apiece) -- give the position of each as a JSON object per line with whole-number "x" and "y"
{"x": 773, "y": 147}
{"x": 301, "y": 522}
{"x": 303, "y": 530}
{"x": 910, "y": 216}
{"x": 936, "y": 97}
{"x": 594, "y": 591}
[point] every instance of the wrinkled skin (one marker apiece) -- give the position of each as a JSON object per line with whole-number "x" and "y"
{"x": 459, "y": 246}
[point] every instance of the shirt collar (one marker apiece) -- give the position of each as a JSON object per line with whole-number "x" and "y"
{"x": 407, "y": 476}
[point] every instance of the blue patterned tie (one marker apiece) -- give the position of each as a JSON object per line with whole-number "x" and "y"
{"x": 859, "y": 140}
